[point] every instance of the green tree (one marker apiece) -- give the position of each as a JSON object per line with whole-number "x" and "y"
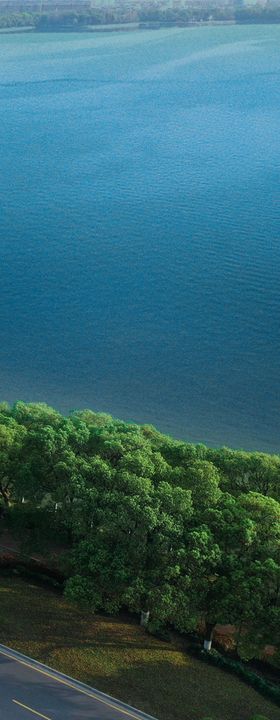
{"x": 11, "y": 443}
{"x": 136, "y": 533}
{"x": 203, "y": 480}
{"x": 244, "y": 587}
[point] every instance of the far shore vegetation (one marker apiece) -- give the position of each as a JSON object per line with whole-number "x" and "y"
{"x": 85, "y": 17}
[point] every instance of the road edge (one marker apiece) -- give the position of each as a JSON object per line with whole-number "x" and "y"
{"x": 71, "y": 682}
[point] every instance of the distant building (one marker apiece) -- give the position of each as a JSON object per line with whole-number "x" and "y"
{"x": 12, "y": 6}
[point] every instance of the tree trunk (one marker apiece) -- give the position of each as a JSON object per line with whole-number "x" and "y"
{"x": 145, "y": 615}
{"x": 4, "y": 496}
{"x": 207, "y": 644}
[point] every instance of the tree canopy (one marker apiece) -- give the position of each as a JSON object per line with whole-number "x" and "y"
{"x": 181, "y": 532}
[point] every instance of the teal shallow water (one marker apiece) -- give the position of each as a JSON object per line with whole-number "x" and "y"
{"x": 139, "y": 255}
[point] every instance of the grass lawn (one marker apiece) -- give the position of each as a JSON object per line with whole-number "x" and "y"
{"x": 115, "y": 655}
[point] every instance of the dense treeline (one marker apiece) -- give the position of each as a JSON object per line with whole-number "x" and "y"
{"x": 179, "y": 532}
{"x": 18, "y": 19}
{"x": 81, "y": 19}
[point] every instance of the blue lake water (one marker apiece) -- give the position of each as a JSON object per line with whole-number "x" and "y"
{"x": 139, "y": 224}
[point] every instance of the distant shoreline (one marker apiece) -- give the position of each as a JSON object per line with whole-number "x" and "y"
{"x": 126, "y": 27}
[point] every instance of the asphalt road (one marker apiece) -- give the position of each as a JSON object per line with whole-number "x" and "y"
{"x": 29, "y": 691}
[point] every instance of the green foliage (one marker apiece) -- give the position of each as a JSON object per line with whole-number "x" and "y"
{"x": 81, "y": 19}
{"x": 158, "y": 630}
{"x": 34, "y": 526}
{"x": 259, "y": 683}
{"x": 183, "y": 531}
{"x": 82, "y": 591}
{"x": 203, "y": 479}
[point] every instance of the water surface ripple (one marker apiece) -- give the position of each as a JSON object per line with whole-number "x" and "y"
{"x": 139, "y": 256}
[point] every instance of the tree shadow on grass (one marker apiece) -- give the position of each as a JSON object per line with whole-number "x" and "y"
{"x": 116, "y": 656}
{"x": 187, "y": 691}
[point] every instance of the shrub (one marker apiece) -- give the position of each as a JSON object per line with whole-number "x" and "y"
{"x": 263, "y": 686}
{"x": 31, "y": 569}
{"x": 158, "y": 630}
